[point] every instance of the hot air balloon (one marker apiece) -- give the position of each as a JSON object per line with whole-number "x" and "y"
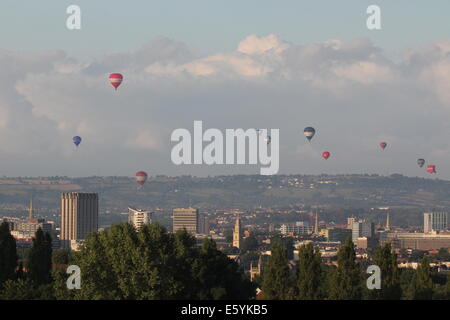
{"x": 309, "y": 133}
{"x": 383, "y": 145}
{"x": 115, "y": 79}
{"x": 421, "y": 162}
{"x": 431, "y": 168}
{"x": 141, "y": 177}
{"x": 76, "y": 140}
{"x": 325, "y": 155}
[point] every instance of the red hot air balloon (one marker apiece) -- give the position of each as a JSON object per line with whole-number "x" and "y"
{"x": 115, "y": 79}
{"x": 141, "y": 177}
{"x": 325, "y": 155}
{"x": 431, "y": 168}
{"x": 383, "y": 145}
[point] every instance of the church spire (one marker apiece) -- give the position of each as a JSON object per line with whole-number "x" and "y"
{"x": 316, "y": 225}
{"x": 30, "y": 210}
{"x": 237, "y": 233}
{"x": 388, "y": 223}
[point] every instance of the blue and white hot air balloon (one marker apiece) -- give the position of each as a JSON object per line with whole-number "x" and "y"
{"x": 76, "y": 140}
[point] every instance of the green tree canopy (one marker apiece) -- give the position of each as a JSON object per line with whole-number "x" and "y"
{"x": 346, "y": 282}
{"x": 309, "y": 273}
{"x": 276, "y": 275}
{"x": 8, "y": 254}
{"x": 123, "y": 263}
{"x": 39, "y": 264}
{"x": 421, "y": 287}
{"x": 249, "y": 244}
{"x": 386, "y": 259}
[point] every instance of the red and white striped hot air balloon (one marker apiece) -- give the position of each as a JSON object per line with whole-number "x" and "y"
{"x": 141, "y": 177}
{"x": 431, "y": 168}
{"x": 115, "y": 79}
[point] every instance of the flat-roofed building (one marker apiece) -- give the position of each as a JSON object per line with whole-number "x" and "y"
{"x": 138, "y": 217}
{"x": 185, "y": 218}
{"x": 418, "y": 241}
{"x": 203, "y": 227}
{"x": 79, "y": 216}
{"x": 27, "y": 229}
{"x": 299, "y": 227}
{"x": 336, "y": 234}
{"x": 362, "y": 229}
{"x": 434, "y": 221}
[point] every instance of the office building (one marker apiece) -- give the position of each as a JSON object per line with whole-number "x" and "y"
{"x": 297, "y": 228}
{"x": 186, "y": 218}
{"x": 79, "y": 216}
{"x": 434, "y": 221}
{"x": 350, "y": 222}
{"x": 203, "y": 226}
{"x": 138, "y": 217}
{"x": 362, "y": 229}
{"x": 336, "y": 234}
{"x": 418, "y": 241}
{"x": 27, "y": 229}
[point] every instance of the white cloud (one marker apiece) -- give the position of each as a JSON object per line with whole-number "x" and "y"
{"x": 349, "y": 90}
{"x": 261, "y": 45}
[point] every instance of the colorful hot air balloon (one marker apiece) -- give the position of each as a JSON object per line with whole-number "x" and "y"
{"x": 309, "y": 133}
{"x": 325, "y": 155}
{"x": 76, "y": 140}
{"x": 141, "y": 177}
{"x": 383, "y": 145}
{"x": 421, "y": 162}
{"x": 431, "y": 168}
{"x": 115, "y": 79}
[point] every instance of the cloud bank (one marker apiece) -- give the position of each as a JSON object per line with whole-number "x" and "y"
{"x": 350, "y": 91}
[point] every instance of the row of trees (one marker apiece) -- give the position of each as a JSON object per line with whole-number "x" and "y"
{"x": 123, "y": 263}
{"x": 311, "y": 279}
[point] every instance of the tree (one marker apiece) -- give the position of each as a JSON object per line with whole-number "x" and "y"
{"x": 39, "y": 264}
{"x": 286, "y": 242}
{"x": 218, "y": 277}
{"x": 309, "y": 273}
{"x": 346, "y": 282}
{"x": 8, "y": 254}
{"x": 276, "y": 277}
{"x": 421, "y": 287}
{"x": 21, "y": 289}
{"x": 60, "y": 257}
{"x": 123, "y": 263}
{"x": 390, "y": 276}
{"x": 249, "y": 244}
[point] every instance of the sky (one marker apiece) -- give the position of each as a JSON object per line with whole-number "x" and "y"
{"x": 246, "y": 64}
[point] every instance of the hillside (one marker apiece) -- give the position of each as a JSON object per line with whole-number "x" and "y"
{"x": 239, "y": 191}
